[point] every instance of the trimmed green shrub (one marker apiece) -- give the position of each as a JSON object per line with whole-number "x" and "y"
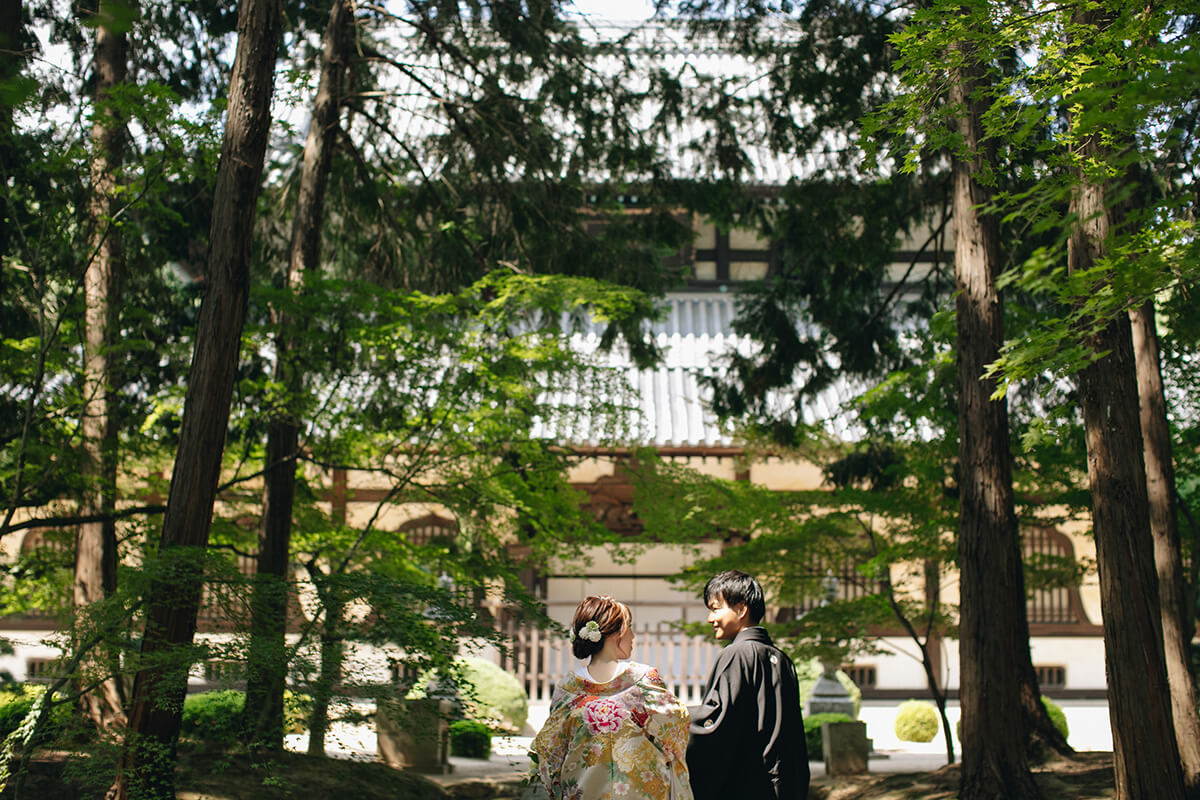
{"x": 812, "y": 733}
{"x": 491, "y": 695}
{"x": 1056, "y": 716}
{"x": 916, "y": 721}
{"x": 17, "y": 702}
{"x": 213, "y": 718}
{"x": 500, "y": 701}
{"x": 470, "y": 739}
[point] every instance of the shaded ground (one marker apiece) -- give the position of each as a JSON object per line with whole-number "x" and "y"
{"x": 237, "y": 777}
{"x": 1088, "y": 777}
{"x": 293, "y": 775}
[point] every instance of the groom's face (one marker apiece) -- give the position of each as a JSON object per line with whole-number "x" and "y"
{"x": 726, "y": 621}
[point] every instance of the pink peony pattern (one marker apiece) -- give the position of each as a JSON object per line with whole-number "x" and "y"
{"x": 603, "y": 715}
{"x": 621, "y": 739}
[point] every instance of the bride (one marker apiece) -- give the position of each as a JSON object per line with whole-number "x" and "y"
{"x": 614, "y": 731}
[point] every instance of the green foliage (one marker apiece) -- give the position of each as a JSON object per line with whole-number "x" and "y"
{"x": 794, "y": 538}
{"x": 470, "y": 739}
{"x": 916, "y": 721}
{"x": 1047, "y": 83}
{"x": 495, "y": 697}
{"x": 1057, "y": 716}
{"x": 17, "y": 702}
{"x": 486, "y": 692}
{"x": 213, "y": 718}
{"x": 813, "y": 738}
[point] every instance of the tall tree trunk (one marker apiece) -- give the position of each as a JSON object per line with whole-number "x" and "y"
{"x": 263, "y": 723}
{"x": 333, "y": 653}
{"x": 992, "y": 595}
{"x": 1145, "y": 755}
{"x": 12, "y": 60}
{"x": 1164, "y": 527}
{"x": 95, "y": 576}
{"x": 161, "y": 681}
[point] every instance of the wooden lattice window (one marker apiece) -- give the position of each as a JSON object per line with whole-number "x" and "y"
{"x": 403, "y": 673}
{"x": 429, "y": 530}
{"x": 42, "y": 670}
{"x": 863, "y": 675}
{"x": 1051, "y": 676}
{"x": 224, "y": 672}
{"x": 1049, "y": 550}
{"x": 850, "y": 584}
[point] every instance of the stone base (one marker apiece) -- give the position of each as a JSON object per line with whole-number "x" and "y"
{"x": 846, "y": 747}
{"x": 415, "y": 734}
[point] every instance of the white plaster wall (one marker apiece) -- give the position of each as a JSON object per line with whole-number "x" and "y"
{"x": 920, "y": 233}
{"x": 899, "y": 665}
{"x": 362, "y": 479}
{"x": 392, "y": 517}
{"x": 900, "y": 668}
{"x": 726, "y": 468}
{"x": 589, "y": 470}
{"x": 779, "y": 475}
{"x": 26, "y": 645}
{"x": 637, "y": 583}
{"x": 747, "y": 270}
{"x": 746, "y": 239}
{"x": 1083, "y": 656}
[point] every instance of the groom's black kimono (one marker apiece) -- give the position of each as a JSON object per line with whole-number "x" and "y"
{"x": 747, "y": 737}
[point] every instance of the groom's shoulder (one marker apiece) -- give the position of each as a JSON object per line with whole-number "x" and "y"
{"x": 756, "y": 645}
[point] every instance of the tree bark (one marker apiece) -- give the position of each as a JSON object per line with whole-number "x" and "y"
{"x": 333, "y": 653}
{"x": 1164, "y": 527}
{"x": 992, "y": 595}
{"x": 1145, "y": 755}
{"x": 161, "y": 681}
{"x": 95, "y": 574}
{"x": 263, "y": 721}
{"x": 12, "y": 60}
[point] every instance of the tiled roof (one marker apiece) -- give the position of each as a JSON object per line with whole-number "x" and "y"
{"x": 672, "y": 405}
{"x": 419, "y": 91}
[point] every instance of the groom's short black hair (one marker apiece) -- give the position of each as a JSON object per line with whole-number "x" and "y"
{"x": 737, "y": 587}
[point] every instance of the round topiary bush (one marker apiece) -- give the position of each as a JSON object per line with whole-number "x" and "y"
{"x": 1056, "y": 716}
{"x": 916, "y": 721}
{"x": 487, "y": 694}
{"x": 213, "y": 718}
{"x": 470, "y": 739}
{"x": 812, "y": 733}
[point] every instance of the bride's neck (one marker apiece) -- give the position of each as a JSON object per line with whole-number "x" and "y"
{"x": 602, "y": 667}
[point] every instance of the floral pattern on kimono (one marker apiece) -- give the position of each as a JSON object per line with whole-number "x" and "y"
{"x": 621, "y": 740}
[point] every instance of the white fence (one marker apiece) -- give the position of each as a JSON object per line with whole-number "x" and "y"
{"x": 540, "y": 659}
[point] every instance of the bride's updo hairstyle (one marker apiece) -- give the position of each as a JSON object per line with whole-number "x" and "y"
{"x": 610, "y": 617}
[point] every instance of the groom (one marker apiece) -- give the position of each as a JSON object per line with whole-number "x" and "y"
{"x": 747, "y": 737}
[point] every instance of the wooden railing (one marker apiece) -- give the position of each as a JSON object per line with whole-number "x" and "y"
{"x": 540, "y": 659}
